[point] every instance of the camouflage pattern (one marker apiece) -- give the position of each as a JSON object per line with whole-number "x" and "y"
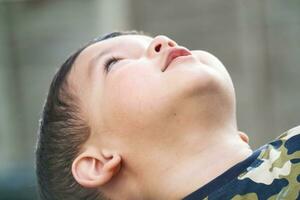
{"x": 274, "y": 174}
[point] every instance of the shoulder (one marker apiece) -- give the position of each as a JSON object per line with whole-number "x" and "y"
{"x": 276, "y": 172}
{"x": 291, "y": 133}
{"x": 289, "y": 141}
{"x": 277, "y": 158}
{"x": 286, "y": 144}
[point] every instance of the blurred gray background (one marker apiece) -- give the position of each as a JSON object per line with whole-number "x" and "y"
{"x": 258, "y": 41}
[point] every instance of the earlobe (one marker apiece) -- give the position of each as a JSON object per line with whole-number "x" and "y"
{"x": 244, "y": 136}
{"x": 93, "y": 168}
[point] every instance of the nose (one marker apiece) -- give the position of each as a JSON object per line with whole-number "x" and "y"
{"x": 159, "y": 44}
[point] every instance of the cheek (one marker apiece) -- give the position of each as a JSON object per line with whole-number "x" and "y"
{"x": 132, "y": 94}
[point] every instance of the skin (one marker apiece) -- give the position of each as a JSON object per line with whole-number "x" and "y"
{"x": 155, "y": 135}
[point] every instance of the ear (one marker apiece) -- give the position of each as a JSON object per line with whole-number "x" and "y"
{"x": 94, "y": 168}
{"x": 244, "y": 136}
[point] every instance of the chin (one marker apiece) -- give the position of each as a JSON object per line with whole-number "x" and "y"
{"x": 198, "y": 79}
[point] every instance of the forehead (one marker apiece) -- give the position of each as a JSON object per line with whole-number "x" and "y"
{"x": 116, "y": 43}
{"x": 84, "y": 61}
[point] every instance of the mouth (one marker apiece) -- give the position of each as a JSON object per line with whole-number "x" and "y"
{"x": 175, "y": 53}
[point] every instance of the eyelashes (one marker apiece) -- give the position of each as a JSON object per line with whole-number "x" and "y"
{"x": 110, "y": 62}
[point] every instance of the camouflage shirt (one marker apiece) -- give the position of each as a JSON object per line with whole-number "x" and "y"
{"x": 272, "y": 172}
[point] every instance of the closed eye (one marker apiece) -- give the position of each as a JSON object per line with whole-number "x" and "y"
{"x": 110, "y": 62}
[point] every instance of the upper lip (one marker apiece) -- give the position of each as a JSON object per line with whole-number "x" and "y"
{"x": 174, "y": 53}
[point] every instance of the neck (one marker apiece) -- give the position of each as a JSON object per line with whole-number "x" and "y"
{"x": 178, "y": 169}
{"x": 174, "y": 166}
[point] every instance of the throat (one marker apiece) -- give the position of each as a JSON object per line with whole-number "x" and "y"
{"x": 193, "y": 170}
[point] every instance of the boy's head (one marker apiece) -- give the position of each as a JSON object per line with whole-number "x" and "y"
{"x": 119, "y": 105}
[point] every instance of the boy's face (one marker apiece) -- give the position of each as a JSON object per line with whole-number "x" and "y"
{"x": 135, "y": 102}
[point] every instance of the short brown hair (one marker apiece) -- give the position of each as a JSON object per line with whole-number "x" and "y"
{"x": 62, "y": 131}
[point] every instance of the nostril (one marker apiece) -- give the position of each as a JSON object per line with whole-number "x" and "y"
{"x": 157, "y": 47}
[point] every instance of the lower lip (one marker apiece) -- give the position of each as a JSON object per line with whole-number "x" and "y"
{"x": 177, "y": 59}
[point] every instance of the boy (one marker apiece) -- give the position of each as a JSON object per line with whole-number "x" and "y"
{"x": 134, "y": 117}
